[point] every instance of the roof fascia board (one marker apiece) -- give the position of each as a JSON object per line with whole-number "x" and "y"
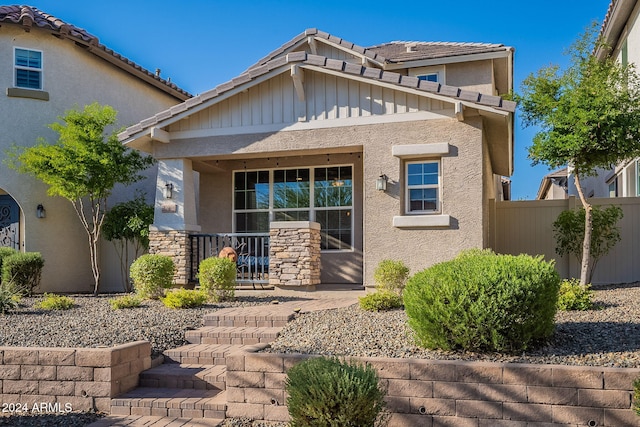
{"x": 199, "y": 107}
{"x": 449, "y": 60}
{"x": 619, "y": 15}
{"x": 392, "y": 86}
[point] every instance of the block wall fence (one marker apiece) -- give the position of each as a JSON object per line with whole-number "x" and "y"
{"x": 63, "y": 379}
{"x": 436, "y": 393}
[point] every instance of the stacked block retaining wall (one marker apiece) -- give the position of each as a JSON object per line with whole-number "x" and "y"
{"x": 434, "y": 393}
{"x": 37, "y": 379}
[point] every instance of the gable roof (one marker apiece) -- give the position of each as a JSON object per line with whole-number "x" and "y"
{"x": 374, "y": 75}
{"x": 391, "y": 53}
{"x": 30, "y": 17}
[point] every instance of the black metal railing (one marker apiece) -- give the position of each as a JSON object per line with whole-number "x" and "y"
{"x": 252, "y": 250}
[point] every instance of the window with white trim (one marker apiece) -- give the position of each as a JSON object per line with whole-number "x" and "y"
{"x": 423, "y": 182}
{"x": 28, "y": 68}
{"x": 320, "y": 194}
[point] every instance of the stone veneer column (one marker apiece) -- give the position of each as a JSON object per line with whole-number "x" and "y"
{"x": 294, "y": 254}
{"x": 173, "y": 243}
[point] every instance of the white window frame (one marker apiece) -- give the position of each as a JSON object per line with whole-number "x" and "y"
{"x": 312, "y": 209}
{"x": 408, "y": 188}
{"x": 17, "y": 67}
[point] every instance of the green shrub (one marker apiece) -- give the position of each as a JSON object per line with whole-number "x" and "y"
{"x": 184, "y": 298}
{"x": 5, "y": 252}
{"x": 391, "y": 275}
{"x": 574, "y": 296}
{"x": 327, "y": 392}
{"x": 217, "y": 278}
{"x": 152, "y": 274}
{"x": 22, "y": 271}
{"x": 481, "y": 301}
{"x": 55, "y": 302}
{"x": 381, "y": 300}
{"x": 125, "y": 301}
{"x": 9, "y": 299}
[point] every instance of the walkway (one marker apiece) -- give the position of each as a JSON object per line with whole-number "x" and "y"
{"x": 188, "y": 389}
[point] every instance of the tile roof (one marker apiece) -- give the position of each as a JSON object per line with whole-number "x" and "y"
{"x": 30, "y": 17}
{"x": 392, "y": 52}
{"x": 400, "y": 51}
{"x": 303, "y": 58}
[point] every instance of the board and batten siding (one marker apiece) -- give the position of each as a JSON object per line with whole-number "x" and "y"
{"x": 327, "y": 97}
{"x": 527, "y": 227}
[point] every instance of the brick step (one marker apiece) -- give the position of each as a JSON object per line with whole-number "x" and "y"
{"x": 261, "y": 317}
{"x": 171, "y": 402}
{"x": 246, "y": 335}
{"x": 175, "y": 375}
{"x": 201, "y": 354}
{"x": 155, "y": 421}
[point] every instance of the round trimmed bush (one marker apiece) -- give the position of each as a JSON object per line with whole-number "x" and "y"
{"x": 217, "y": 278}
{"x": 481, "y": 301}
{"x": 327, "y": 392}
{"x": 152, "y": 274}
{"x": 380, "y": 300}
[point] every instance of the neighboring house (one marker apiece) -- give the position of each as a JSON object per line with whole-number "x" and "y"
{"x": 395, "y": 150}
{"x": 621, "y": 34}
{"x": 554, "y": 185}
{"x": 48, "y": 67}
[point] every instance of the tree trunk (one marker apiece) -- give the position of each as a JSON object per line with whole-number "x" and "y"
{"x": 588, "y": 226}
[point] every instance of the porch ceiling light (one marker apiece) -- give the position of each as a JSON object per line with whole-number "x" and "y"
{"x": 41, "y": 211}
{"x": 381, "y": 182}
{"x": 168, "y": 190}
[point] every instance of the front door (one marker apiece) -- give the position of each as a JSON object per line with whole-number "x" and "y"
{"x": 9, "y": 222}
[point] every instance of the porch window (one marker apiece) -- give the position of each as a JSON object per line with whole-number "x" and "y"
{"x": 321, "y": 194}
{"x": 28, "y": 69}
{"x": 423, "y": 186}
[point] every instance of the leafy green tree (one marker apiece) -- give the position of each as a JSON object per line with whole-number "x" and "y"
{"x": 588, "y": 116}
{"x": 83, "y": 166}
{"x": 127, "y": 225}
{"x": 568, "y": 230}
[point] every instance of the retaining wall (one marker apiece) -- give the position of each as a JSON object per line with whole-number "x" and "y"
{"x": 435, "y": 393}
{"x": 45, "y": 380}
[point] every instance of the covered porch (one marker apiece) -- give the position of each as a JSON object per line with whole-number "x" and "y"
{"x": 311, "y": 202}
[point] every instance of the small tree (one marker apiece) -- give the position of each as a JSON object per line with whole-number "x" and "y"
{"x": 568, "y": 230}
{"x": 83, "y": 167}
{"x": 127, "y": 224}
{"x": 589, "y": 116}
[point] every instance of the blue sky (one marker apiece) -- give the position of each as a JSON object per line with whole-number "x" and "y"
{"x": 202, "y": 43}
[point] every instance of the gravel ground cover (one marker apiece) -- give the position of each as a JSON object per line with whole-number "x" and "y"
{"x": 606, "y": 336}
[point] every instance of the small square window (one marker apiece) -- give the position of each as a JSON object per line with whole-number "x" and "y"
{"x": 28, "y": 69}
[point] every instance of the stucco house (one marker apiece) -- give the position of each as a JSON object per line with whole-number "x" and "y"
{"x": 391, "y": 151}
{"x": 48, "y": 67}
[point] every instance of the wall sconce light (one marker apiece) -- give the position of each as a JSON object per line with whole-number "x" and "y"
{"x": 381, "y": 182}
{"x": 168, "y": 190}
{"x": 41, "y": 211}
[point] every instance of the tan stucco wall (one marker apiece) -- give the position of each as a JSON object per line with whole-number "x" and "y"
{"x": 462, "y": 184}
{"x": 72, "y": 77}
{"x": 476, "y": 75}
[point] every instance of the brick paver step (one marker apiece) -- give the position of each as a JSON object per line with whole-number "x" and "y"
{"x": 137, "y": 420}
{"x": 232, "y": 335}
{"x": 175, "y": 375}
{"x": 201, "y": 354}
{"x": 257, "y": 316}
{"x": 171, "y": 402}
